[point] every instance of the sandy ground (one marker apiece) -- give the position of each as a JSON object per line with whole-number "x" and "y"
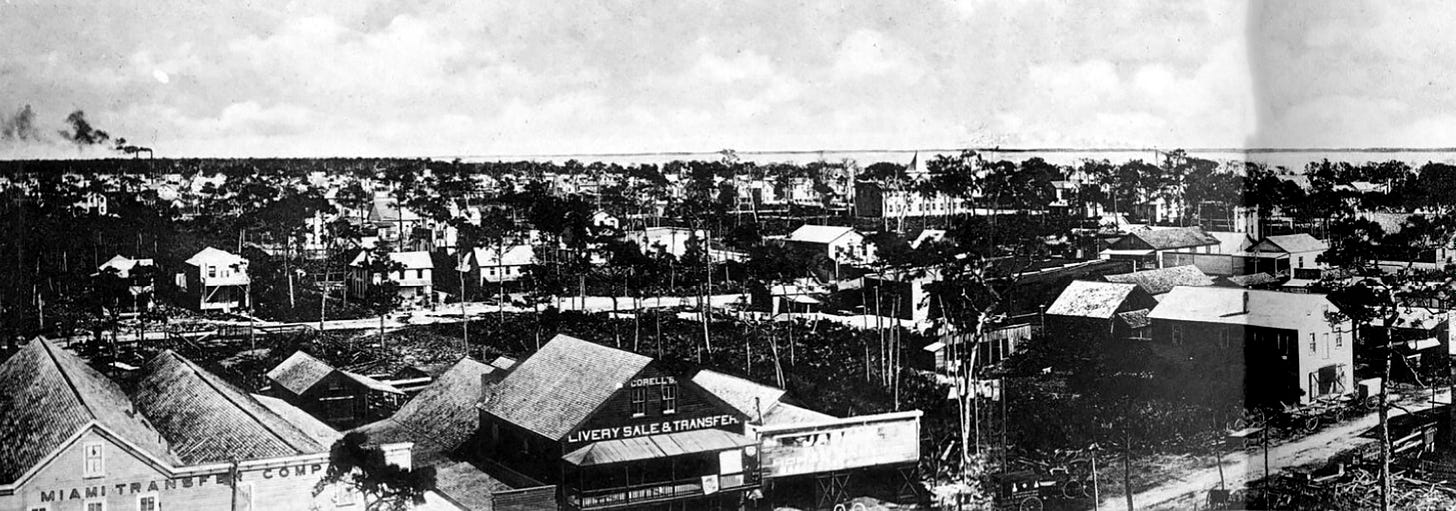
{"x": 1190, "y": 490}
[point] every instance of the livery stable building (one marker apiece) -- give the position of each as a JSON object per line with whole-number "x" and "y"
{"x": 71, "y": 439}
{"x": 617, "y": 430}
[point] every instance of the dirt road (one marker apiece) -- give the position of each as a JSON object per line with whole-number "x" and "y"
{"x": 1189, "y": 490}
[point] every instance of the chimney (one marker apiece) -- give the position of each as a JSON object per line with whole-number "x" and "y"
{"x": 1245, "y": 309}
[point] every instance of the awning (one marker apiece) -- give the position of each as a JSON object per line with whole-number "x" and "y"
{"x": 656, "y": 446}
{"x": 1112, "y": 252}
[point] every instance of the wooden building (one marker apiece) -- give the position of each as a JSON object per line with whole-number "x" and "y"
{"x": 217, "y": 280}
{"x": 617, "y": 430}
{"x": 335, "y": 396}
{"x": 184, "y": 439}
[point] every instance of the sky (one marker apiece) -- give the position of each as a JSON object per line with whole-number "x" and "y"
{"x": 426, "y": 78}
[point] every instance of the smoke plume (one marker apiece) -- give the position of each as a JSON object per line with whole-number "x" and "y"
{"x": 81, "y": 132}
{"x": 20, "y": 126}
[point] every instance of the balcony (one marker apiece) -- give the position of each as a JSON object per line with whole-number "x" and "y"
{"x": 648, "y": 493}
{"x": 240, "y": 279}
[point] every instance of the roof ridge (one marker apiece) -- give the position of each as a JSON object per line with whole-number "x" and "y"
{"x": 202, "y": 375}
{"x": 80, "y": 399}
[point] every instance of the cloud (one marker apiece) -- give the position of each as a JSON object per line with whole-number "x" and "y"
{"x": 389, "y": 78}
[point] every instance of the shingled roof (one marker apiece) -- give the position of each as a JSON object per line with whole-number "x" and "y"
{"x": 554, "y": 390}
{"x": 739, "y": 393}
{"x": 301, "y": 371}
{"x": 47, "y": 395}
{"x": 440, "y": 418}
{"x": 209, "y": 420}
{"x": 1177, "y": 237}
{"x": 1089, "y": 299}
{"x": 1162, "y": 280}
{"x": 1294, "y": 243}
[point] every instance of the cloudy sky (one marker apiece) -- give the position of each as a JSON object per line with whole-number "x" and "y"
{"x": 518, "y": 77}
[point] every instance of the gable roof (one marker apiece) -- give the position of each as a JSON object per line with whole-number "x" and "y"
{"x": 1292, "y": 243}
{"x": 1135, "y": 318}
{"x": 821, "y": 234}
{"x": 1226, "y": 305}
{"x": 558, "y": 387}
{"x": 210, "y": 420}
{"x": 1175, "y": 237}
{"x": 1232, "y": 242}
{"x": 123, "y": 264}
{"x": 514, "y": 255}
{"x": 213, "y": 256}
{"x": 740, "y": 393}
{"x": 1251, "y": 280}
{"x": 418, "y": 260}
{"x": 301, "y": 371}
{"x": 49, "y": 394}
{"x": 1162, "y": 280}
{"x": 1089, "y": 299}
{"x": 386, "y": 210}
{"x": 441, "y": 418}
{"x": 322, "y": 433}
{"x": 928, "y": 236}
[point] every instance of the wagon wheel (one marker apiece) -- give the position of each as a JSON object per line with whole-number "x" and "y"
{"x": 1029, "y": 504}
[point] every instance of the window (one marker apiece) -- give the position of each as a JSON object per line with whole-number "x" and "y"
{"x": 211, "y": 272}
{"x": 345, "y": 495}
{"x": 1301, "y": 262}
{"x": 95, "y": 456}
{"x": 95, "y": 505}
{"x": 1177, "y": 334}
{"x": 639, "y": 401}
{"x": 669, "y": 398}
{"x": 1225, "y": 336}
{"x": 147, "y": 503}
{"x": 419, "y": 274}
{"x": 1312, "y": 344}
{"x": 1339, "y": 339}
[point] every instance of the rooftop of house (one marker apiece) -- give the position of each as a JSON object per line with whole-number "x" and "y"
{"x": 554, "y": 390}
{"x": 1232, "y": 242}
{"x": 1162, "y": 280}
{"x": 1238, "y": 306}
{"x": 1294, "y": 243}
{"x": 819, "y": 234}
{"x": 1083, "y": 298}
{"x": 214, "y": 257}
{"x": 1174, "y": 237}
{"x": 514, "y": 255}
{"x": 207, "y": 419}
{"x": 48, "y": 395}
{"x": 301, "y": 371}
{"x": 441, "y": 418}
{"x": 418, "y": 260}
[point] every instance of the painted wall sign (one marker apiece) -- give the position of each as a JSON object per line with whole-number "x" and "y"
{"x": 655, "y": 428}
{"x": 173, "y": 484}
{"x": 656, "y": 380}
{"x": 832, "y": 447}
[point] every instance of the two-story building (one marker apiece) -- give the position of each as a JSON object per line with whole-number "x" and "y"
{"x": 411, "y": 272}
{"x": 218, "y": 280}
{"x": 493, "y": 265}
{"x": 617, "y": 430}
{"x": 1146, "y": 246}
{"x": 138, "y": 274}
{"x": 1284, "y": 347}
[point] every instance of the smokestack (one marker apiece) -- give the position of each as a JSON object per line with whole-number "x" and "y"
{"x": 1245, "y": 309}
